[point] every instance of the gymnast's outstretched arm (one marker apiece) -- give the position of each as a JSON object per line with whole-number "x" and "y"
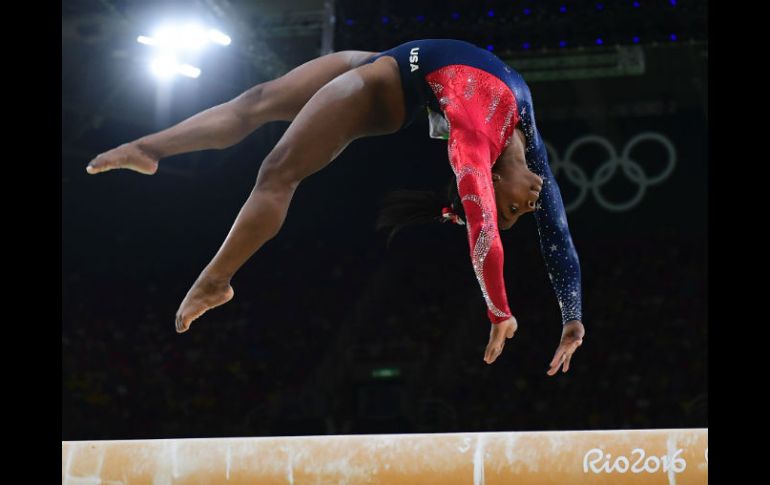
{"x": 561, "y": 259}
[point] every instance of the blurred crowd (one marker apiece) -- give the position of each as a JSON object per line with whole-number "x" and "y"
{"x": 299, "y": 348}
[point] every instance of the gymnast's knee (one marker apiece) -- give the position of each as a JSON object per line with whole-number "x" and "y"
{"x": 276, "y": 176}
{"x": 249, "y": 104}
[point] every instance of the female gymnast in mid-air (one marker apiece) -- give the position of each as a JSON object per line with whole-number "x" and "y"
{"x": 482, "y": 106}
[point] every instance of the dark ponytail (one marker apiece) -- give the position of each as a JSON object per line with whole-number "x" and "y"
{"x": 402, "y": 208}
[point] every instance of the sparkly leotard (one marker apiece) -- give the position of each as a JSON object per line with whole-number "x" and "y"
{"x": 483, "y": 100}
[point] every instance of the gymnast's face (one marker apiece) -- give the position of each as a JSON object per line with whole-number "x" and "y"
{"x": 517, "y": 188}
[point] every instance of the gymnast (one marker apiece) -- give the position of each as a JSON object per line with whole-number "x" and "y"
{"x": 480, "y": 105}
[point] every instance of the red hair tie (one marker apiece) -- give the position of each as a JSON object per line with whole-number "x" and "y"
{"x": 448, "y": 215}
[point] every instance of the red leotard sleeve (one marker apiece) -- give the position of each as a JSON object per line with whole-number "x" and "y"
{"x": 481, "y": 114}
{"x": 470, "y": 159}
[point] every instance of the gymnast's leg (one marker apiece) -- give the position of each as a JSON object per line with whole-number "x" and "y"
{"x": 365, "y": 101}
{"x": 228, "y": 123}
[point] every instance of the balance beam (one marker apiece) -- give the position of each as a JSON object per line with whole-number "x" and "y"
{"x": 662, "y": 456}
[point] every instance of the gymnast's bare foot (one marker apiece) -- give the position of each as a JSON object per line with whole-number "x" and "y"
{"x": 128, "y": 155}
{"x": 206, "y": 293}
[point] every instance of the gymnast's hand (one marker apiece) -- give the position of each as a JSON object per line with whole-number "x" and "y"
{"x": 128, "y": 155}
{"x": 498, "y": 334}
{"x": 571, "y": 338}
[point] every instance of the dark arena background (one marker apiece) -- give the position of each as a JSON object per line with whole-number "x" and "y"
{"x": 334, "y": 332}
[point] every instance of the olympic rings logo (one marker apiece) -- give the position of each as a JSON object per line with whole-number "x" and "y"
{"x": 630, "y": 167}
